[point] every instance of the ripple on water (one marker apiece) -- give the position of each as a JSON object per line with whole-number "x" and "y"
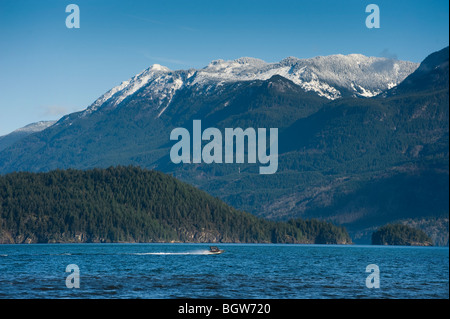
{"x": 243, "y": 271}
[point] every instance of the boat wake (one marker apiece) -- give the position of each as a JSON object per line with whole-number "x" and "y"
{"x": 194, "y": 252}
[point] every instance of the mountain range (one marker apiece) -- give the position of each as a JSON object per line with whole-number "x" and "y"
{"x": 363, "y": 141}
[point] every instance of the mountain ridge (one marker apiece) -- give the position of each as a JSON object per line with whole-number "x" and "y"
{"x": 18, "y": 134}
{"x": 336, "y": 155}
{"x": 304, "y": 72}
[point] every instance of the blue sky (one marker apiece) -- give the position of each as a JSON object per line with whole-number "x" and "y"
{"x": 48, "y": 70}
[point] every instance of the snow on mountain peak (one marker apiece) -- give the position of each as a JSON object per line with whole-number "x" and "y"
{"x": 291, "y": 60}
{"x": 233, "y": 67}
{"x": 126, "y": 88}
{"x": 35, "y": 127}
{"x": 159, "y": 67}
{"x": 330, "y": 76}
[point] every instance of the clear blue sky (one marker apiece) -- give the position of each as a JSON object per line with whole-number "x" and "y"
{"x": 48, "y": 70}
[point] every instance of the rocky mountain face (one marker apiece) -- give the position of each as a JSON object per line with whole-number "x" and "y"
{"x": 362, "y": 141}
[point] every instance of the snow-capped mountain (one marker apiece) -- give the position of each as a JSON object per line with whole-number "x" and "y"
{"x": 35, "y": 127}
{"x": 328, "y": 76}
{"x": 332, "y": 77}
{"x": 11, "y": 138}
{"x": 155, "y": 76}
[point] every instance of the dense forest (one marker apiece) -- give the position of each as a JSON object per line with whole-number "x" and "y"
{"x": 398, "y": 234}
{"x": 130, "y": 204}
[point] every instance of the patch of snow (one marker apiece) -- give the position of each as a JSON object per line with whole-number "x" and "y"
{"x": 35, "y": 127}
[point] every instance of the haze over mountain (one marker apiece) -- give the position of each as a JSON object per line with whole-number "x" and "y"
{"x": 357, "y": 146}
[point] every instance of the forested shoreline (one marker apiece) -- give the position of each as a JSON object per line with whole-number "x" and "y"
{"x": 130, "y": 204}
{"x": 398, "y": 234}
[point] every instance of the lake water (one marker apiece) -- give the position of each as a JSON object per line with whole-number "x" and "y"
{"x": 243, "y": 271}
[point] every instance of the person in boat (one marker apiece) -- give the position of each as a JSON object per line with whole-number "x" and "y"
{"x": 214, "y": 249}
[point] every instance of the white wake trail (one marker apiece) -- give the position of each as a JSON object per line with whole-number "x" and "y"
{"x": 194, "y": 252}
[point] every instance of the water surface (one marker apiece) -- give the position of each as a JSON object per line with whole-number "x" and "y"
{"x": 244, "y": 271}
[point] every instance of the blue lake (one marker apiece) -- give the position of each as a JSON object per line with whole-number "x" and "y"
{"x": 243, "y": 271}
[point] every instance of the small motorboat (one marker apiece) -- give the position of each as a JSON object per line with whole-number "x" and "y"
{"x": 215, "y": 250}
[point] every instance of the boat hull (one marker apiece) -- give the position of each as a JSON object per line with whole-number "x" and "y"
{"x": 216, "y": 252}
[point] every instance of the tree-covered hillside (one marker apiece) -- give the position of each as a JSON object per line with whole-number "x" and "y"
{"x": 129, "y": 204}
{"x": 398, "y": 234}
